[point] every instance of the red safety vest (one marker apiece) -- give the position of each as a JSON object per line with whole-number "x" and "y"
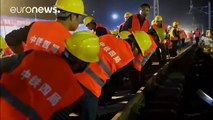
{"x": 154, "y": 26}
{"x": 189, "y": 35}
{"x": 47, "y": 36}
{"x": 37, "y": 88}
{"x": 182, "y": 35}
{"x": 114, "y": 54}
{"x": 99, "y": 25}
{"x": 140, "y": 60}
{"x": 136, "y": 24}
{"x": 197, "y": 33}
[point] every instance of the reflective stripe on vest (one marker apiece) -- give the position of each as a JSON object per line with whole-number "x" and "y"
{"x": 105, "y": 68}
{"x": 15, "y": 102}
{"x": 139, "y": 62}
{"x": 145, "y": 59}
{"x": 112, "y": 58}
{"x": 95, "y": 76}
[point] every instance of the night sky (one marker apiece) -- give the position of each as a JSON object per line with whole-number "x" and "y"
{"x": 170, "y": 10}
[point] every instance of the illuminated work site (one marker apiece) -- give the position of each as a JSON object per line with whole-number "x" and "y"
{"x": 106, "y": 60}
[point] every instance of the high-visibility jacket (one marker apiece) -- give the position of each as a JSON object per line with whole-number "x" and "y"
{"x": 36, "y": 88}
{"x": 160, "y": 36}
{"x": 140, "y": 60}
{"x": 47, "y": 36}
{"x": 171, "y": 35}
{"x": 197, "y": 33}
{"x": 114, "y": 54}
{"x": 99, "y": 25}
{"x": 154, "y": 26}
{"x": 182, "y": 34}
{"x": 136, "y": 24}
{"x": 189, "y": 35}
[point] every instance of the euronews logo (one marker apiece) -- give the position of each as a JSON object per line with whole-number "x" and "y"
{"x": 27, "y": 9}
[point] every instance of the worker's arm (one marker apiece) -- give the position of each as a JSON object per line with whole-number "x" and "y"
{"x": 127, "y": 24}
{"x": 100, "y": 31}
{"x": 9, "y": 63}
{"x": 16, "y": 38}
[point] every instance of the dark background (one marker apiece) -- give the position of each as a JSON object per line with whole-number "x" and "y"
{"x": 170, "y": 10}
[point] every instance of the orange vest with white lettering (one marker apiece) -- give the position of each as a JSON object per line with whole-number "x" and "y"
{"x": 114, "y": 54}
{"x": 36, "y": 88}
{"x": 47, "y": 36}
{"x": 140, "y": 60}
{"x": 99, "y": 25}
{"x": 136, "y": 24}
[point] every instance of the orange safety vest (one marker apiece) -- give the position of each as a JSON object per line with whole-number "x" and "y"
{"x": 47, "y": 36}
{"x": 197, "y": 33}
{"x": 136, "y": 24}
{"x": 114, "y": 54}
{"x": 189, "y": 35}
{"x": 171, "y": 35}
{"x": 154, "y": 26}
{"x": 182, "y": 35}
{"x": 99, "y": 25}
{"x": 36, "y": 88}
{"x": 140, "y": 60}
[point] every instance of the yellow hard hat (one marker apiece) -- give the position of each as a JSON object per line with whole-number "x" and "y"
{"x": 114, "y": 32}
{"x": 74, "y": 6}
{"x": 158, "y": 18}
{"x": 124, "y": 34}
{"x": 153, "y": 22}
{"x": 161, "y": 33}
{"x": 127, "y": 14}
{"x": 175, "y": 23}
{"x": 3, "y": 44}
{"x": 84, "y": 45}
{"x": 143, "y": 40}
{"x": 87, "y": 20}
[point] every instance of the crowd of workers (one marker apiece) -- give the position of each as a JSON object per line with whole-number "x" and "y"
{"x": 47, "y": 72}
